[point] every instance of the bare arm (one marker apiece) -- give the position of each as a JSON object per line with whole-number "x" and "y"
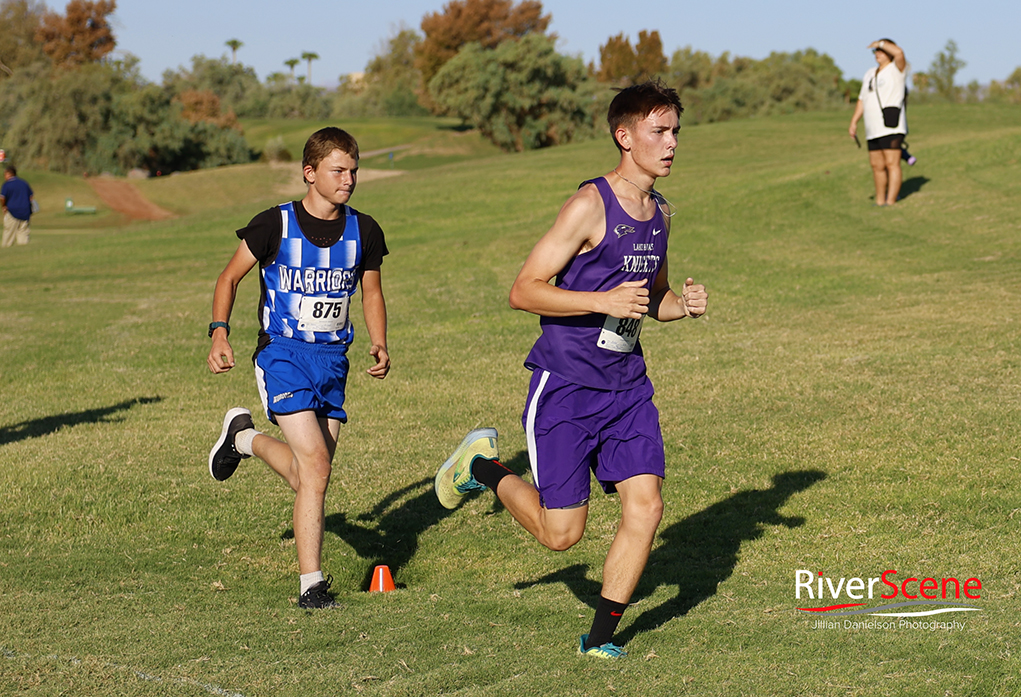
{"x": 666, "y": 305}
{"x": 579, "y": 227}
{"x": 859, "y": 109}
{"x": 221, "y": 355}
{"x": 374, "y": 308}
{"x": 894, "y": 50}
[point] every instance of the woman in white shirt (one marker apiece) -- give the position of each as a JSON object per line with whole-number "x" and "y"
{"x": 882, "y": 101}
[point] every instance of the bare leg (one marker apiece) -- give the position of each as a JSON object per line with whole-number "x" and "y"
{"x": 277, "y": 454}
{"x": 558, "y": 528}
{"x": 894, "y": 175}
{"x": 878, "y": 162}
{"x": 305, "y": 463}
{"x": 641, "y": 511}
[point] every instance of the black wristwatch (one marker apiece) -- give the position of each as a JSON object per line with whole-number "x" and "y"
{"x": 217, "y": 325}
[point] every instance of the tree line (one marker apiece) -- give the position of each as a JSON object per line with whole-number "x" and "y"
{"x": 494, "y": 64}
{"x": 937, "y": 84}
{"x": 67, "y": 106}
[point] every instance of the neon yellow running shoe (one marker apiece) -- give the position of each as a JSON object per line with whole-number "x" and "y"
{"x": 607, "y": 650}
{"x": 454, "y": 478}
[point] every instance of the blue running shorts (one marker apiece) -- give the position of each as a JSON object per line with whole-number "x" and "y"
{"x": 574, "y": 430}
{"x": 295, "y": 376}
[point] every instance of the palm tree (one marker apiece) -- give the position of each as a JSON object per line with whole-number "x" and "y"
{"x": 234, "y": 45}
{"x": 290, "y": 63}
{"x": 309, "y": 56}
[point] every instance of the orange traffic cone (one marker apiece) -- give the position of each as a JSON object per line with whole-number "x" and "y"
{"x": 382, "y": 581}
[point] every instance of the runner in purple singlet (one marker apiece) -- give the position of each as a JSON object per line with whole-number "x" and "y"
{"x": 589, "y": 407}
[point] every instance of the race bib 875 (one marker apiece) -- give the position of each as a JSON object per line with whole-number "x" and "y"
{"x": 322, "y": 314}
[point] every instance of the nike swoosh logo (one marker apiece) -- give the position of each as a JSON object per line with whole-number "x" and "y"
{"x": 616, "y": 614}
{"x": 656, "y": 232}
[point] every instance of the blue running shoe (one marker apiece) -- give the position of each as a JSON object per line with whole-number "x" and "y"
{"x": 607, "y": 650}
{"x": 454, "y": 478}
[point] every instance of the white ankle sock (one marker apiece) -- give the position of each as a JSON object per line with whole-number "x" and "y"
{"x": 309, "y": 580}
{"x": 243, "y": 441}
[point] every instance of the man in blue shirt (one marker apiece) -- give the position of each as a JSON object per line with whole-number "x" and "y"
{"x": 16, "y": 199}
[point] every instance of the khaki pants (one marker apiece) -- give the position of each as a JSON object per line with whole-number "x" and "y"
{"x": 14, "y": 229}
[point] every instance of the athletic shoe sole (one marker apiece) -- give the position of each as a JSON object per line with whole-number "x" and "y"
{"x": 444, "y": 484}
{"x": 223, "y": 458}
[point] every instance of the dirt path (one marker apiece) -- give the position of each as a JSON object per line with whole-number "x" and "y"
{"x": 123, "y": 197}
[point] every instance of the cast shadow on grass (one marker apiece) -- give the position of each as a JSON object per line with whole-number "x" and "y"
{"x": 393, "y": 540}
{"x": 457, "y": 128}
{"x": 912, "y": 186}
{"x": 698, "y": 553}
{"x": 51, "y": 424}
{"x": 398, "y": 521}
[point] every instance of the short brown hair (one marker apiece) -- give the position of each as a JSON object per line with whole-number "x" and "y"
{"x": 324, "y": 141}
{"x": 632, "y": 104}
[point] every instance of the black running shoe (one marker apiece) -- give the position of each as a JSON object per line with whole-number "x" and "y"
{"x": 224, "y": 457}
{"x": 317, "y": 596}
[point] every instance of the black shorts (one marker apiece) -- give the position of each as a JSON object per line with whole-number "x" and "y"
{"x": 890, "y": 142}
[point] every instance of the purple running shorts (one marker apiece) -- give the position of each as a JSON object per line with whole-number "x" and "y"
{"x": 572, "y": 430}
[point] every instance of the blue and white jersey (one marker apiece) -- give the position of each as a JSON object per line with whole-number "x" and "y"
{"x": 308, "y": 289}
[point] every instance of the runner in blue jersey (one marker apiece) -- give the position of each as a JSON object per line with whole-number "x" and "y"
{"x": 589, "y": 407}
{"x": 312, "y": 254}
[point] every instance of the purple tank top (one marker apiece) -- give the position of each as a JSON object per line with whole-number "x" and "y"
{"x": 597, "y": 350}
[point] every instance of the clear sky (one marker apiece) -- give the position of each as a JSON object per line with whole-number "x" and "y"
{"x": 165, "y": 35}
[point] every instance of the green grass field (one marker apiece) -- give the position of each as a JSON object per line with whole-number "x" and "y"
{"x": 413, "y": 143}
{"x": 848, "y": 405}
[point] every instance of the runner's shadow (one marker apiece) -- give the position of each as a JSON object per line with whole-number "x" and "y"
{"x": 698, "y": 553}
{"x": 51, "y": 424}
{"x": 397, "y": 522}
{"x": 393, "y": 540}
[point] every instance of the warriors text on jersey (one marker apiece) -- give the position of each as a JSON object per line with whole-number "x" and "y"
{"x": 309, "y": 270}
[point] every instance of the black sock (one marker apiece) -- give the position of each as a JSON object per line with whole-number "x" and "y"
{"x": 489, "y": 472}
{"x": 608, "y": 614}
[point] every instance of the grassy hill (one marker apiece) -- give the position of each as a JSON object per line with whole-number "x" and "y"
{"x": 414, "y": 143}
{"x": 847, "y": 406}
{"x": 391, "y": 144}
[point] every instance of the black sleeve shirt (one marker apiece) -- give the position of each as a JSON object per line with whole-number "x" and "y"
{"x": 263, "y": 233}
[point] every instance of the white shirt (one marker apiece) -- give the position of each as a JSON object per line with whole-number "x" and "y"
{"x": 890, "y": 84}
